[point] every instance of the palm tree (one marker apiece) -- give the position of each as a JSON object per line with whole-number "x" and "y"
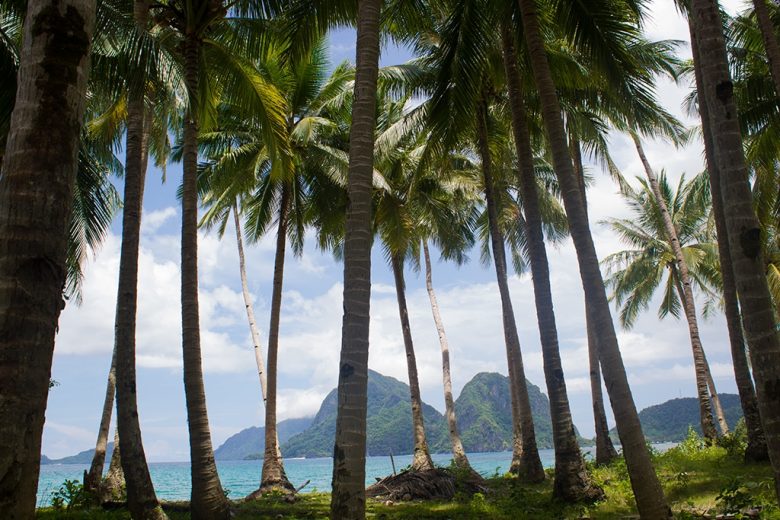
{"x": 742, "y": 227}
{"x": 525, "y": 456}
{"x": 214, "y": 64}
{"x": 348, "y": 498}
{"x": 685, "y": 291}
{"x": 571, "y": 479}
{"x": 647, "y": 489}
{"x": 638, "y": 272}
{"x": 245, "y": 171}
{"x": 756, "y": 449}
{"x": 50, "y": 101}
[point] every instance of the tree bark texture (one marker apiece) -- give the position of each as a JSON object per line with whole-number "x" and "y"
{"x": 650, "y": 499}
{"x": 273, "y": 476}
{"x": 605, "y": 450}
{"x": 208, "y": 498}
{"x": 525, "y": 457}
{"x": 421, "y": 457}
{"x": 348, "y": 497}
{"x": 458, "y": 452}
{"x": 756, "y": 448}
{"x": 36, "y": 193}
{"x": 95, "y": 475}
{"x": 742, "y": 227}
{"x": 571, "y": 479}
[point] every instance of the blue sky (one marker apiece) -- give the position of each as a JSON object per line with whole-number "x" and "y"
{"x": 657, "y": 355}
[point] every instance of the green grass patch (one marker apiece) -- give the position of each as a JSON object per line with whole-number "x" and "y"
{"x": 697, "y": 479}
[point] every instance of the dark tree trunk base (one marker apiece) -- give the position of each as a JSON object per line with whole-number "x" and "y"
{"x": 281, "y": 486}
{"x": 756, "y": 452}
{"x": 429, "y": 484}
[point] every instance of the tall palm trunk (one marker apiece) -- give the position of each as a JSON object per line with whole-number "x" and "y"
{"x": 250, "y": 312}
{"x": 93, "y": 477}
{"x": 686, "y": 295}
{"x": 421, "y": 458}
{"x": 605, "y": 450}
{"x": 770, "y": 41}
{"x": 141, "y": 498}
{"x": 571, "y": 479}
{"x": 36, "y": 194}
{"x": 273, "y": 476}
{"x": 742, "y": 227}
{"x": 525, "y": 455}
{"x": 348, "y": 497}
{"x": 756, "y": 449}
{"x": 208, "y": 499}
{"x": 458, "y": 453}
{"x": 651, "y": 502}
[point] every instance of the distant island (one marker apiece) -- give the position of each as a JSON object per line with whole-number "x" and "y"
{"x": 669, "y": 421}
{"x": 484, "y": 419}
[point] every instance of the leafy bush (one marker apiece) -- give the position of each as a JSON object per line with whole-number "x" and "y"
{"x": 70, "y": 496}
{"x": 735, "y": 442}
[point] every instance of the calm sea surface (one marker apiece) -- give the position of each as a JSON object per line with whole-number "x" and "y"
{"x": 241, "y": 477}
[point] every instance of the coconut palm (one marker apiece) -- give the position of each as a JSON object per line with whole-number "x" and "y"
{"x": 647, "y": 489}
{"x": 656, "y": 208}
{"x": 214, "y": 52}
{"x": 49, "y": 104}
{"x": 743, "y": 229}
{"x": 245, "y": 171}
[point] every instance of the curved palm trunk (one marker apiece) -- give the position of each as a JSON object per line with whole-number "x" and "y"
{"x": 458, "y": 453}
{"x": 141, "y": 499}
{"x": 250, "y": 312}
{"x": 273, "y": 476}
{"x": 36, "y": 194}
{"x": 605, "y": 450}
{"x": 571, "y": 480}
{"x": 348, "y": 497}
{"x": 686, "y": 295}
{"x": 650, "y": 499}
{"x": 208, "y": 499}
{"x": 525, "y": 455}
{"x": 756, "y": 449}
{"x": 113, "y": 487}
{"x": 421, "y": 458}
{"x": 94, "y": 476}
{"x": 742, "y": 227}
{"x": 770, "y": 40}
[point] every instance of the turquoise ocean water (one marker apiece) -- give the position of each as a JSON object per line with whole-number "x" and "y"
{"x": 241, "y": 477}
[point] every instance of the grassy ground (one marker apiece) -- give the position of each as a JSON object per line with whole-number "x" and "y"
{"x": 697, "y": 480}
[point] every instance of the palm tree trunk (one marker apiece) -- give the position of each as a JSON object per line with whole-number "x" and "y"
{"x": 742, "y": 227}
{"x": 36, "y": 194}
{"x": 605, "y": 450}
{"x": 208, "y": 499}
{"x": 756, "y": 449}
{"x": 273, "y": 476}
{"x": 525, "y": 456}
{"x": 421, "y": 458}
{"x": 93, "y": 477}
{"x": 571, "y": 480}
{"x": 770, "y": 40}
{"x": 348, "y": 497}
{"x": 141, "y": 499}
{"x": 686, "y": 295}
{"x": 250, "y": 312}
{"x": 458, "y": 453}
{"x": 651, "y": 502}
{"x": 112, "y": 488}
